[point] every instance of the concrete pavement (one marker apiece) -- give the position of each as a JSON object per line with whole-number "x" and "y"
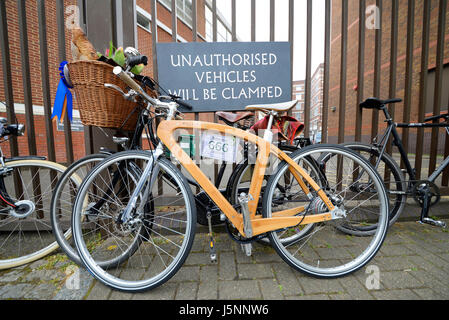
{"x": 413, "y": 263}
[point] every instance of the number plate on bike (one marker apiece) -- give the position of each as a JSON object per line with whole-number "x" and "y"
{"x": 219, "y": 147}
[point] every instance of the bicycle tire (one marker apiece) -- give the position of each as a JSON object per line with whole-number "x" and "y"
{"x": 42, "y": 234}
{"x": 332, "y": 254}
{"x": 128, "y": 276}
{"x": 241, "y": 172}
{"x": 57, "y": 213}
{"x": 395, "y": 185}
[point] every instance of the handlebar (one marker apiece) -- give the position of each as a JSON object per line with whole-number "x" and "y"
{"x": 442, "y": 116}
{"x": 135, "y": 61}
{"x": 118, "y": 71}
{"x": 127, "y": 79}
{"x": 12, "y": 130}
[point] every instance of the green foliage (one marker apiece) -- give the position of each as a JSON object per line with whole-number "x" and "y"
{"x": 118, "y": 56}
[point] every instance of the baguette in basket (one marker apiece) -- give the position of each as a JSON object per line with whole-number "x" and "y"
{"x": 98, "y": 105}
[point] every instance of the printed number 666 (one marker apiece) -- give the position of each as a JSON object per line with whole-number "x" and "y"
{"x": 218, "y": 146}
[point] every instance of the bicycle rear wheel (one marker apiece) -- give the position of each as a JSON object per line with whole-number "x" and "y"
{"x": 155, "y": 241}
{"x": 240, "y": 181}
{"x": 62, "y": 201}
{"x": 25, "y": 231}
{"x": 327, "y": 252}
{"x": 394, "y": 182}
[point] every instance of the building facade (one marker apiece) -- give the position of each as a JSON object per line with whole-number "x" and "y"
{"x": 351, "y": 103}
{"x": 143, "y": 36}
{"x": 316, "y": 105}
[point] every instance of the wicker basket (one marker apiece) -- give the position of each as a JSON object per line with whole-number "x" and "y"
{"x": 100, "y": 106}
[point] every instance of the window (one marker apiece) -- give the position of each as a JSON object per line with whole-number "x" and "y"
{"x": 221, "y": 33}
{"x": 143, "y": 21}
{"x": 209, "y": 25}
{"x": 183, "y": 9}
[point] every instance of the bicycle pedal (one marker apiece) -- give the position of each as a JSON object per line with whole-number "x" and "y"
{"x": 247, "y": 249}
{"x": 435, "y": 223}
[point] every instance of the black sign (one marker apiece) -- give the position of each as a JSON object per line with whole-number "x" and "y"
{"x": 226, "y": 75}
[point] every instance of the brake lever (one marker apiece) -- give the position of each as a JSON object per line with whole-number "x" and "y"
{"x": 127, "y": 96}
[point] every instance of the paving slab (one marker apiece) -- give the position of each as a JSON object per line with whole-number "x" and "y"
{"x": 413, "y": 264}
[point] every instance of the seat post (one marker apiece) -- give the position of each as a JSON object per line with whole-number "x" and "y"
{"x": 386, "y": 113}
{"x": 268, "y": 135}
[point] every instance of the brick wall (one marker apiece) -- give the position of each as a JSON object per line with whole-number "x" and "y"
{"x": 144, "y": 44}
{"x": 352, "y": 67}
{"x": 35, "y": 75}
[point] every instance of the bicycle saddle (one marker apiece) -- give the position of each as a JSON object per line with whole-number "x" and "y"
{"x": 232, "y": 118}
{"x": 279, "y": 107}
{"x": 374, "y": 103}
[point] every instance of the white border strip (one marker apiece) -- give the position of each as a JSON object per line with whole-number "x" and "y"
{"x": 19, "y": 108}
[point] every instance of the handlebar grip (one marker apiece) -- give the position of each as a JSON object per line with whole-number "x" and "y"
{"x": 17, "y": 130}
{"x": 118, "y": 71}
{"x": 135, "y": 61}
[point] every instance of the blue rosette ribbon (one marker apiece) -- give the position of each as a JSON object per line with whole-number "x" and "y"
{"x": 64, "y": 99}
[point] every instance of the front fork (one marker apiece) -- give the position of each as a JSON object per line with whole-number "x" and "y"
{"x": 4, "y": 197}
{"x": 150, "y": 170}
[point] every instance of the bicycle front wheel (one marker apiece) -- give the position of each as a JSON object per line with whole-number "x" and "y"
{"x": 354, "y": 187}
{"x": 25, "y": 230}
{"x": 154, "y": 243}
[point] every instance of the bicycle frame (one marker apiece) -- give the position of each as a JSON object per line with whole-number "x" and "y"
{"x": 391, "y": 130}
{"x": 280, "y": 220}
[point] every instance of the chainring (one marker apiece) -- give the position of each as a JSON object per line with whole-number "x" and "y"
{"x": 421, "y": 188}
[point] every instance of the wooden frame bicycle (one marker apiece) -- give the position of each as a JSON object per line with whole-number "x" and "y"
{"x": 157, "y": 241}
{"x": 281, "y": 220}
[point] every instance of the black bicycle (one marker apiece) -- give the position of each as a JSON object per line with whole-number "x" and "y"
{"x": 425, "y": 192}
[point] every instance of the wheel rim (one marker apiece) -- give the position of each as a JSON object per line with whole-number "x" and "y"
{"x": 325, "y": 251}
{"x": 243, "y": 183}
{"x": 394, "y": 184}
{"x": 63, "y": 201}
{"x": 24, "y": 240}
{"x": 162, "y": 247}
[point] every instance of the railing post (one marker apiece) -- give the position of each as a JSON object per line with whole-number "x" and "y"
{"x": 327, "y": 45}
{"x": 291, "y": 39}
{"x": 377, "y": 69}
{"x": 393, "y": 61}
{"x": 438, "y": 82}
{"x": 7, "y": 79}
{"x": 360, "y": 71}
{"x": 62, "y": 57}
{"x": 423, "y": 86}
{"x": 45, "y": 80}
{"x": 408, "y": 73}
{"x": 308, "y": 84}
{"x": 343, "y": 75}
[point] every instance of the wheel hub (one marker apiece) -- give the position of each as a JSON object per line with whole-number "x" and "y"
{"x": 23, "y": 209}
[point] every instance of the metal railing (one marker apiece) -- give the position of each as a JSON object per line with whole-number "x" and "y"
{"x": 339, "y": 17}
